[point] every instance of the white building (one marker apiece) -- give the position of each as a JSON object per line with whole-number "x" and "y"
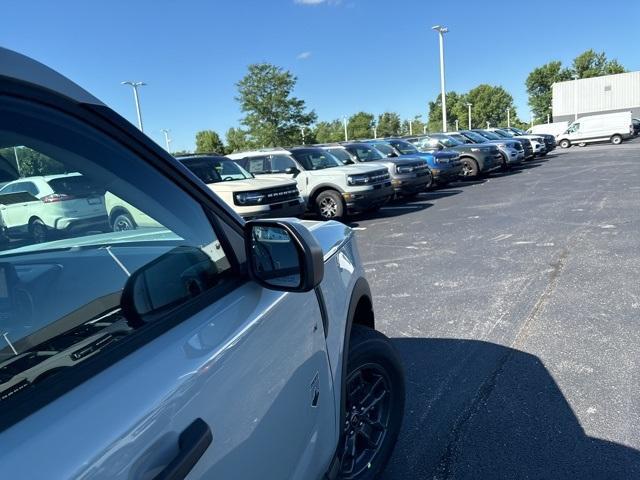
{"x": 588, "y": 96}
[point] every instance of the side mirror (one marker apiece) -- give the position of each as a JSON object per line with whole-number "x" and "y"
{"x": 167, "y": 282}
{"x": 392, "y": 155}
{"x": 293, "y": 171}
{"x": 283, "y": 255}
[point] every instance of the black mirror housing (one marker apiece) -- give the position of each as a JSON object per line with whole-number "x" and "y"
{"x": 292, "y": 170}
{"x": 283, "y": 255}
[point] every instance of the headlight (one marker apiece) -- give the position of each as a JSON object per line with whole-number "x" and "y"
{"x": 248, "y": 198}
{"x": 404, "y": 168}
{"x": 357, "y": 179}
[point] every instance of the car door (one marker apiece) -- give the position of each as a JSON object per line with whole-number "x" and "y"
{"x": 19, "y": 207}
{"x": 283, "y": 166}
{"x": 144, "y": 353}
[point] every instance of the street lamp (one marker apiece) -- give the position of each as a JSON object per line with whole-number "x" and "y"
{"x": 508, "y": 117}
{"x": 375, "y": 130}
{"x": 575, "y": 95}
{"x": 469, "y": 105}
{"x": 441, "y": 31}
{"x": 488, "y": 125}
{"x": 532, "y": 117}
{"x": 302, "y": 132}
{"x": 135, "y": 86}
{"x": 457, "y": 125}
{"x": 167, "y": 140}
{"x": 346, "y": 136}
{"x": 410, "y": 127}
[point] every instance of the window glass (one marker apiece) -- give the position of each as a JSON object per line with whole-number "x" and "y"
{"x": 341, "y": 154}
{"x": 405, "y": 147}
{"x": 316, "y": 159}
{"x": 366, "y": 154}
{"x": 280, "y": 163}
{"x": 385, "y": 149}
{"x": 108, "y": 246}
{"x": 204, "y": 169}
{"x": 254, "y": 165}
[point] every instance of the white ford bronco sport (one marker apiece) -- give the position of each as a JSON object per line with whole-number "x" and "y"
{"x": 331, "y": 189}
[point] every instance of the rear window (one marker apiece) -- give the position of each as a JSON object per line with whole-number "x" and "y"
{"x": 75, "y": 185}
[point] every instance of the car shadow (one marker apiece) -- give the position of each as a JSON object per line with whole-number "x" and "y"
{"x": 478, "y": 410}
{"x": 432, "y": 195}
{"x": 506, "y": 173}
{"x": 464, "y": 183}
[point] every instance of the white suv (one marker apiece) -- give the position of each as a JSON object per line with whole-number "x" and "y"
{"x": 330, "y": 189}
{"x": 37, "y": 207}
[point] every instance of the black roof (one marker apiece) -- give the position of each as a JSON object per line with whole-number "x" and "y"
{"x": 194, "y": 156}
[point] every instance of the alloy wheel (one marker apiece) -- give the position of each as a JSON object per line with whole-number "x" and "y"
{"x": 328, "y": 208}
{"x": 367, "y": 418}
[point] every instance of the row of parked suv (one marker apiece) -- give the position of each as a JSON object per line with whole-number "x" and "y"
{"x": 331, "y": 180}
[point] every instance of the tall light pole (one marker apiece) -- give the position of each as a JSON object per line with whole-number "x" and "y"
{"x": 410, "y": 127}
{"x": 575, "y": 95}
{"x": 531, "y": 119}
{"x": 346, "y": 136}
{"x": 424, "y": 130}
{"x": 167, "y": 140}
{"x": 302, "y": 132}
{"x": 375, "y": 130}
{"x": 441, "y": 31}
{"x": 488, "y": 125}
{"x": 508, "y": 117}
{"x": 457, "y": 125}
{"x": 135, "y": 86}
{"x": 469, "y": 105}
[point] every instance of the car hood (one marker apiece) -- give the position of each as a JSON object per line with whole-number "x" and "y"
{"x": 331, "y": 235}
{"x": 251, "y": 184}
{"x": 354, "y": 169}
{"x": 423, "y": 155}
{"x": 402, "y": 160}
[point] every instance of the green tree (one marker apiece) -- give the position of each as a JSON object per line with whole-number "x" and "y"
{"x": 593, "y": 64}
{"x": 490, "y": 104}
{"x": 238, "y": 140}
{"x": 31, "y": 162}
{"x": 454, "y": 101}
{"x": 208, "y": 141}
{"x": 329, "y": 132}
{"x": 273, "y": 117}
{"x": 360, "y": 126}
{"x": 414, "y": 127}
{"x": 539, "y": 83}
{"x": 181, "y": 152}
{"x": 389, "y": 124}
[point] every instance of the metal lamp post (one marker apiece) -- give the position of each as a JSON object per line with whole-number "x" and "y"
{"x": 136, "y": 97}
{"x": 346, "y": 136}
{"x": 508, "y": 117}
{"x": 469, "y": 105}
{"x": 441, "y": 31}
{"x": 167, "y": 140}
{"x": 575, "y": 95}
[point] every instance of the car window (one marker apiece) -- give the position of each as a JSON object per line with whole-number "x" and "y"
{"x": 73, "y": 284}
{"x": 254, "y": 165}
{"x": 366, "y": 154}
{"x": 385, "y": 149}
{"x": 316, "y": 159}
{"x": 341, "y": 154}
{"x": 204, "y": 169}
{"x": 28, "y": 187}
{"x": 280, "y": 163}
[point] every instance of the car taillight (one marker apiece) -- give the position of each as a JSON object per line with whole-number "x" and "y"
{"x": 57, "y": 197}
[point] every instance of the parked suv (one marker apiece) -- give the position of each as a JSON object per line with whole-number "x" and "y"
{"x": 445, "y": 165}
{"x": 476, "y": 159}
{"x": 209, "y": 348}
{"x": 251, "y": 197}
{"x": 512, "y": 151}
{"x": 41, "y": 207}
{"x": 549, "y": 140}
{"x": 409, "y": 176}
{"x": 539, "y": 142}
{"x": 330, "y": 189}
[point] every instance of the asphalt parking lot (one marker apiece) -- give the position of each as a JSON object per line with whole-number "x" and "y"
{"x": 514, "y": 302}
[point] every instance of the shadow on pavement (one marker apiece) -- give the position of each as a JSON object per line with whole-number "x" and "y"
{"x": 435, "y": 194}
{"x": 476, "y": 410}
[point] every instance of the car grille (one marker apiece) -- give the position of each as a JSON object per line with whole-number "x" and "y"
{"x": 378, "y": 176}
{"x": 281, "y": 194}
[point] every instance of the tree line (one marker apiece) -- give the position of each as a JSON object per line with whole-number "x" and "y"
{"x": 273, "y": 116}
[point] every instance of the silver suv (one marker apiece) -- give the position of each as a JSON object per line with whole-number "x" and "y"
{"x": 331, "y": 189}
{"x": 196, "y": 344}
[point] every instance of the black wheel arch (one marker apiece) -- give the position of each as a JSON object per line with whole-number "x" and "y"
{"x": 323, "y": 187}
{"x": 119, "y": 210}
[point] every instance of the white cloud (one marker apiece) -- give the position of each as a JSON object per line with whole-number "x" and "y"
{"x": 303, "y": 55}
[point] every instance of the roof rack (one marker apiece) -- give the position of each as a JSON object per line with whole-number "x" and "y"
{"x": 199, "y": 154}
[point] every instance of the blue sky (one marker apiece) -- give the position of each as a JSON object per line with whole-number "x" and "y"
{"x": 348, "y": 55}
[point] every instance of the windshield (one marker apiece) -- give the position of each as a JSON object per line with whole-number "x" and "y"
{"x": 405, "y": 147}
{"x": 316, "y": 159}
{"x": 503, "y": 133}
{"x": 211, "y": 170}
{"x": 447, "y": 141}
{"x": 459, "y": 137}
{"x": 489, "y": 135}
{"x": 476, "y": 137}
{"x": 385, "y": 149}
{"x": 365, "y": 153}
{"x": 341, "y": 154}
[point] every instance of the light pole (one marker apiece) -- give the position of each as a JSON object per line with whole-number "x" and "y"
{"x": 344, "y": 122}
{"x": 167, "y": 140}
{"x": 575, "y": 95}
{"x": 469, "y": 105}
{"x": 135, "y": 86}
{"x": 488, "y": 125}
{"x": 457, "y": 125}
{"x": 375, "y": 130}
{"x": 424, "y": 130}
{"x": 508, "y": 117}
{"x": 532, "y": 119}
{"x": 410, "y": 127}
{"x": 441, "y": 31}
{"x": 302, "y": 132}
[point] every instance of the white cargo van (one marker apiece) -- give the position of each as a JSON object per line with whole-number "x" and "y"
{"x": 609, "y": 127}
{"x": 555, "y": 128}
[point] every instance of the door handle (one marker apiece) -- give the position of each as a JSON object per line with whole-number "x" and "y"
{"x": 192, "y": 443}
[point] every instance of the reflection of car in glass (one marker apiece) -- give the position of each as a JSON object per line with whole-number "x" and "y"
{"x": 251, "y": 197}
{"x": 39, "y": 206}
{"x": 206, "y": 347}
{"x": 124, "y": 216}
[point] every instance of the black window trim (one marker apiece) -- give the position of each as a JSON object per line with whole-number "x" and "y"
{"x": 112, "y": 126}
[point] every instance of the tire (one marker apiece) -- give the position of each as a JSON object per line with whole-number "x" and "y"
{"x": 123, "y": 222}
{"x": 38, "y": 231}
{"x": 564, "y": 143}
{"x": 505, "y": 163}
{"x": 430, "y": 184}
{"x": 469, "y": 168}
{"x": 329, "y": 205}
{"x": 374, "y": 371}
{"x": 616, "y": 139}
{"x": 582, "y": 144}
